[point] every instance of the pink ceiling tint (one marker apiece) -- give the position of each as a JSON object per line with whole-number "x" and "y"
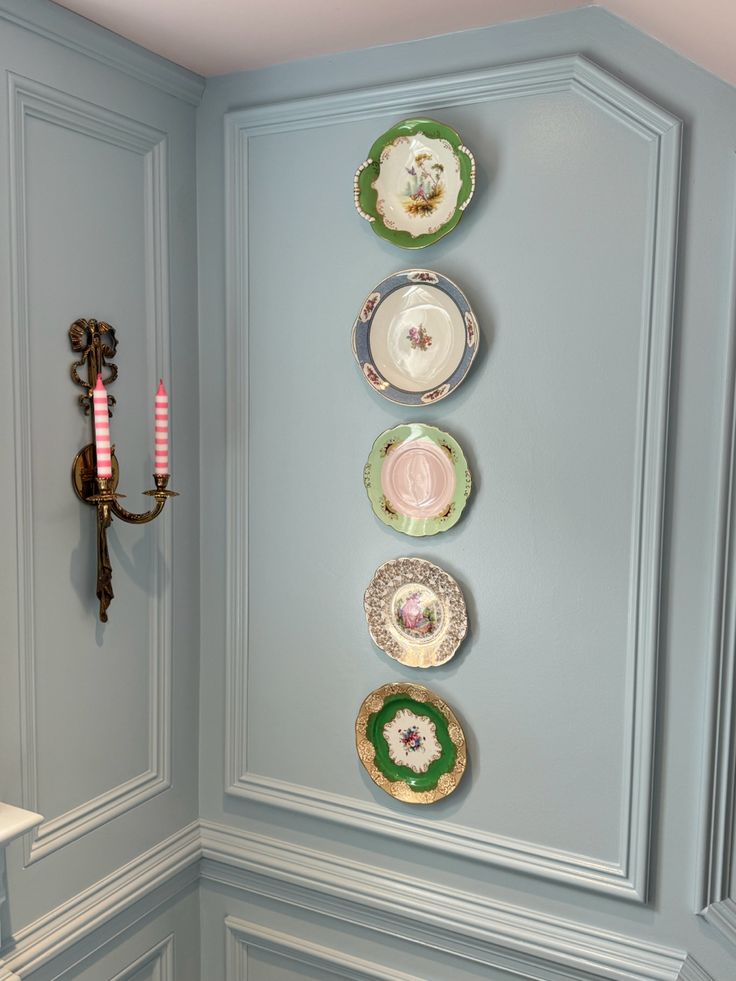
{"x": 218, "y": 36}
{"x": 214, "y": 37}
{"x": 704, "y": 31}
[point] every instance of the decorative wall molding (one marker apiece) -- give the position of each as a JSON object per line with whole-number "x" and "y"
{"x": 77, "y": 918}
{"x": 29, "y": 99}
{"x": 626, "y": 877}
{"x": 242, "y": 935}
{"x": 470, "y": 843}
{"x": 718, "y": 820}
{"x": 499, "y": 935}
{"x": 523, "y": 942}
{"x": 109, "y": 49}
{"x": 160, "y": 957}
{"x": 722, "y": 915}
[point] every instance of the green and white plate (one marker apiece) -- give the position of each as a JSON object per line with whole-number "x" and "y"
{"x": 417, "y": 479}
{"x": 416, "y": 183}
{"x": 411, "y": 743}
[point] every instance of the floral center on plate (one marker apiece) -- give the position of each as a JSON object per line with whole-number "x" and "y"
{"x": 412, "y": 741}
{"x": 416, "y": 337}
{"x": 419, "y": 338}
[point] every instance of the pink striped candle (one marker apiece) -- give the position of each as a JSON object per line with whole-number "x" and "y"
{"x": 103, "y": 449}
{"x": 161, "y": 430}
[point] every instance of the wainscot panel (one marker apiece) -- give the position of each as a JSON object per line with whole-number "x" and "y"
{"x": 406, "y": 913}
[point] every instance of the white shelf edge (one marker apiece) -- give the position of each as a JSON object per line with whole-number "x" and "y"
{"x": 15, "y": 821}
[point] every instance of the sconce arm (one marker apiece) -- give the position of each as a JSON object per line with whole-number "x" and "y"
{"x": 137, "y": 519}
{"x": 161, "y": 495}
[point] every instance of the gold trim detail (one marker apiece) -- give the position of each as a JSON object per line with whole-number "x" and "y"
{"x": 378, "y": 603}
{"x": 400, "y": 789}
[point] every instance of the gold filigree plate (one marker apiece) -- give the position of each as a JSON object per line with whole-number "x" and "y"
{"x": 416, "y": 612}
{"x": 411, "y": 743}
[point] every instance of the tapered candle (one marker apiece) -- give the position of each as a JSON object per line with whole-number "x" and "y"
{"x": 161, "y": 430}
{"x": 103, "y": 450}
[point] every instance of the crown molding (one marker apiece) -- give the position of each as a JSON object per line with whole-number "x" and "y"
{"x": 63, "y": 27}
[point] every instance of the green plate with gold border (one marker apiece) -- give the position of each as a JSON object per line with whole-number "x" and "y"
{"x": 416, "y": 183}
{"x": 411, "y": 743}
{"x": 417, "y": 479}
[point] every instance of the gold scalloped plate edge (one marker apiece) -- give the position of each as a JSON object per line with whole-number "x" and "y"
{"x": 399, "y": 789}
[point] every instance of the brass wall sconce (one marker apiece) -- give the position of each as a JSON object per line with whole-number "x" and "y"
{"x": 95, "y": 482}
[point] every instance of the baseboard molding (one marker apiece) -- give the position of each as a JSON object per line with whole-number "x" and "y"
{"x": 487, "y": 932}
{"x": 523, "y": 942}
{"x": 61, "y": 928}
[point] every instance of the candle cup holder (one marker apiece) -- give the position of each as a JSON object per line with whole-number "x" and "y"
{"x": 97, "y": 343}
{"x": 160, "y": 491}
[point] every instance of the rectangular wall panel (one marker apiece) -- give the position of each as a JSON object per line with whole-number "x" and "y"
{"x": 563, "y": 420}
{"x": 89, "y": 209}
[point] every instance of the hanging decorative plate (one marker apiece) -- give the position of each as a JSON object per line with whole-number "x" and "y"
{"x": 416, "y": 612}
{"x": 410, "y": 743}
{"x": 415, "y": 337}
{"x": 417, "y": 479}
{"x": 416, "y": 183}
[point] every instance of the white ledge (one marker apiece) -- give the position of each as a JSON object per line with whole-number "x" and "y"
{"x": 15, "y": 821}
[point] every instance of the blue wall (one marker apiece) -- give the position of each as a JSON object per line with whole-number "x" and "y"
{"x": 194, "y": 759}
{"x": 566, "y": 255}
{"x": 98, "y": 723}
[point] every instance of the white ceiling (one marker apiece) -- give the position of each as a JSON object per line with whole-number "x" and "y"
{"x": 214, "y": 37}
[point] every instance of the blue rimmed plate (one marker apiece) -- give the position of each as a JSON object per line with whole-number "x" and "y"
{"x": 415, "y": 337}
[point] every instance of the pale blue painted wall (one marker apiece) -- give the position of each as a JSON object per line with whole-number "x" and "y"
{"x": 551, "y": 255}
{"x": 83, "y": 193}
{"x": 146, "y": 945}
